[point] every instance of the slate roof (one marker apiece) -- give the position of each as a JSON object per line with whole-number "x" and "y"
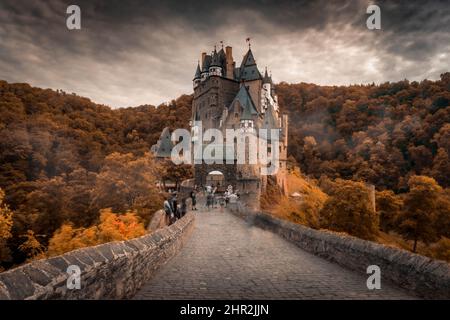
{"x": 269, "y": 122}
{"x": 197, "y": 72}
{"x": 206, "y": 63}
{"x": 215, "y": 59}
{"x": 267, "y": 78}
{"x": 246, "y": 102}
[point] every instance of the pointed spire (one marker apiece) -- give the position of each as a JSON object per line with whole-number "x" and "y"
{"x": 248, "y": 107}
{"x": 248, "y": 60}
{"x": 206, "y": 63}
{"x": 266, "y": 78}
{"x": 198, "y": 71}
{"x": 215, "y": 58}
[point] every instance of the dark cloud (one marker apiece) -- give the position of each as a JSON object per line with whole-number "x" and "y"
{"x": 137, "y": 52}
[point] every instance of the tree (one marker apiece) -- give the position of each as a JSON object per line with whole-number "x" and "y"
{"x": 31, "y": 246}
{"x": 441, "y": 167}
{"x": 442, "y": 223}
{"x": 6, "y": 223}
{"x": 68, "y": 238}
{"x": 441, "y": 249}
{"x": 127, "y": 182}
{"x": 116, "y": 227}
{"x": 389, "y": 207}
{"x": 111, "y": 227}
{"x": 442, "y": 138}
{"x": 349, "y": 209}
{"x": 174, "y": 173}
{"x": 44, "y": 208}
{"x": 417, "y": 221}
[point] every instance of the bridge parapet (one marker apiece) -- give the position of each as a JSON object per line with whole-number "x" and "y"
{"x": 113, "y": 270}
{"x": 425, "y": 277}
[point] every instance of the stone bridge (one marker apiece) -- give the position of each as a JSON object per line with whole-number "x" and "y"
{"x": 227, "y": 258}
{"x": 231, "y": 254}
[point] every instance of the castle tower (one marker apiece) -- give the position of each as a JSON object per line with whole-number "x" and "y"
{"x": 242, "y": 99}
{"x": 197, "y": 76}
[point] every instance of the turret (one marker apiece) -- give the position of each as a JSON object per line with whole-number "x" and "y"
{"x": 206, "y": 61}
{"x": 215, "y": 68}
{"x": 267, "y": 81}
{"x": 197, "y": 76}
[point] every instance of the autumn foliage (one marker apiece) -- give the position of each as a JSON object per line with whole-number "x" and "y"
{"x": 380, "y": 134}
{"x": 349, "y": 209}
{"x": 63, "y": 159}
{"x": 6, "y": 222}
{"x": 304, "y": 208}
{"x": 111, "y": 227}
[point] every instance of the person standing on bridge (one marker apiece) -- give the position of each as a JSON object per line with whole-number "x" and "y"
{"x": 209, "y": 198}
{"x": 168, "y": 211}
{"x": 183, "y": 207}
{"x": 193, "y": 196}
{"x": 174, "y": 204}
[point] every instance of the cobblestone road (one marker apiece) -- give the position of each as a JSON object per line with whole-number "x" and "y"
{"x": 225, "y": 258}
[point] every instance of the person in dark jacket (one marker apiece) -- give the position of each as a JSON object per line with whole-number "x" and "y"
{"x": 193, "y": 196}
{"x": 183, "y": 207}
{"x": 169, "y": 213}
{"x": 174, "y": 204}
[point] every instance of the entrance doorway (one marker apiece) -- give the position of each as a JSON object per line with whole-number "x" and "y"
{"x": 216, "y": 179}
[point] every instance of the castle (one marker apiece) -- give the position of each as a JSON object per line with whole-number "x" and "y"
{"x": 227, "y": 96}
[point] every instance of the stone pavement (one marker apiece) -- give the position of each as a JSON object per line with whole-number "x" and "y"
{"x": 226, "y": 258}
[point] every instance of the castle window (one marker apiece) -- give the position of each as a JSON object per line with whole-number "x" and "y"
{"x": 236, "y": 115}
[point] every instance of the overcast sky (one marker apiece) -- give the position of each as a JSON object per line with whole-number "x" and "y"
{"x": 129, "y": 53}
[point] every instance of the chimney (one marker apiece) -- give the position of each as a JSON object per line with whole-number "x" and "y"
{"x": 230, "y": 62}
{"x": 203, "y": 59}
{"x": 229, "y": 52}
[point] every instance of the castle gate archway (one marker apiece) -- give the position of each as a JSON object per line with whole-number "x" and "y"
{"x": 217, "y": 179}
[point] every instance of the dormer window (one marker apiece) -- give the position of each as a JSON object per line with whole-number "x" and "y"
{"x": 247, "y": 125}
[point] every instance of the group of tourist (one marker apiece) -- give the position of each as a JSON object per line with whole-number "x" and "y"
{"x": 213, "y": 198}
{"x": 175, "y": 211}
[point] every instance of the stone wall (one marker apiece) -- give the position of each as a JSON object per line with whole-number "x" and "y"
{"x": 158, "y": 221}
{"x": 425, "y": 277}
{"x": 114, "y": 270}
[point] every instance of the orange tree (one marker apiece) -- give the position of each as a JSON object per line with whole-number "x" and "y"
{"x": 6, "y": 222}
{"x": 127, "y": 182}
{"x": 417, "y": 221}
{"x": 389, "y": 207}
{"x": 349, "y": 209}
